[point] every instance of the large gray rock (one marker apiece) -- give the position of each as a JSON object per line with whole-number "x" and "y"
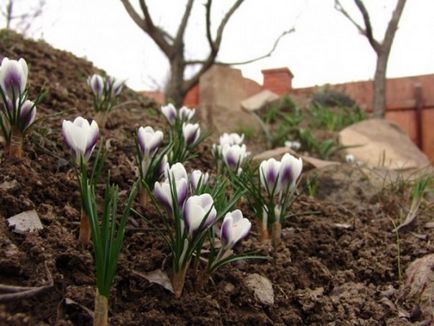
{"x": 259, "y": 100}
{"x": 378, "y": 142}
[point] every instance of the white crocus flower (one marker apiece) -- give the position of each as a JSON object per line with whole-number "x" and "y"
{"x": 80, "y": 136}
{"x": 149, "y": 140}
{"x": 199, "y": 210}
{"x": 177, "y": 171}
{"x": 163, "y": 193}
{"x": 234, "y": 228}
{"x": 191, "y": 133}
{"x": 290, "y": 170}
{"x": 349, "y": 158}
{"x": 27, "y": 114}
{"x": 269, "y": 171}
{"x": 169, "y": 111}
{"x": 13, "y": 77}
{"x": 198, "y": 179}
{"x": 234, "y": 155}
{"x": 186, "y": 114}
{"x": 96, "y": 83}
{"x": 231, "y": 139}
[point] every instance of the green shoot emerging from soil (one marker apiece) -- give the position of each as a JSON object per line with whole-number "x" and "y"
{"x": 107, "y": 238}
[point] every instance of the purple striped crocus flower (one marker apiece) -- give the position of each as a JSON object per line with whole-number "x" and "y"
{"x": 27, "y": 114}
{"x": 269, "y": 171}
{"x": 234, "y": 228}
{"x": 199, "y": 212}
{"x": 149, "y": 140}
{"x": 96, "y": 83}
{"x": 80, "y": 136}
{"x": 163, "y": 193}
{"x": 13, "y": 77}
{"x": 191, "y": 133}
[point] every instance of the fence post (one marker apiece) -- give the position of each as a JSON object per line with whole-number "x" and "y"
{"x": 419, "y": 116}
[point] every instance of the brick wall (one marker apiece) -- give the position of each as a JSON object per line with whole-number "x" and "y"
{"x": 278, "y": 80}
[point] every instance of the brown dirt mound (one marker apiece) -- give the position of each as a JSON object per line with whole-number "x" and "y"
{"x": 338, "y": 265}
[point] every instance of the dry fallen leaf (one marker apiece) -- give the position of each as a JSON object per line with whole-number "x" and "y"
{"x": 159, "y": 277}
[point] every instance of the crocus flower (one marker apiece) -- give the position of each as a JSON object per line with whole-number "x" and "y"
{"x": 149, "y": 140}
{"x": 176, "y": 171}
{"x": 234, "y": 228}
{"x": 186, "y": 114}
{"x": 295, "y": 145}
{"x": 163, "y": 193}
{"x": 231, "y": 139}
{"x": 27, "y": 114}
{"x": 349, "y": 158}
{"x": 234, "y": 155}
{"x": 269, "y": 171}
{"x": 198, "y": 178}
{"x": 169, "y": 111}
{"x": 290, "y": 170}
{"x": 13, "y": 77}
{"x": 80, "y": 136}
{"x": 115, "y": 85}
{"x": 191, "y": 133}
{"x": 199, "y": 210}
{"x": 96, "y": 84}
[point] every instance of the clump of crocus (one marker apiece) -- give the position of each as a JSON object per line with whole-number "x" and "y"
{"x": 81, "y": 137}
{"x": 18, "y": 113}
{"x": 192, "y": 209}
{"x": 230, "y": 152}
{"x": 107, "y": 237}
{"x": 152, "y": 162}
{"x": 184, "y": 135}
{"x": 104, "y": 90}
{"x": 270, "y": 192}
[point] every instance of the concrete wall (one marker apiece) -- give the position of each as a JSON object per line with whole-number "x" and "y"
{"x": 221, "y": 90}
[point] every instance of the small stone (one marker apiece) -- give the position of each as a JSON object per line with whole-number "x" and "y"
{"x": 25, "y": 222}
{"x": 261, "y": 287}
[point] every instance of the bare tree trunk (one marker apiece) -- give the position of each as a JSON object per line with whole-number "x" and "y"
{"x": 382, "y": 49}
{"x": 176, "y": 91}
{"x": 379, "y": 100}
{"x": 9, "y": 10}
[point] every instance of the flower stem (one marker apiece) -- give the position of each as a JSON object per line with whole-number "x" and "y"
{"x": 264, "y": 235}
{"x": 84, "y": 236}
{"x": 178, "y": 280}
{"x": 101, "y": 119}
{"x": 143, "y": 196}
{"x": 101, "y": 310}
{"x": 16, "y": 143}
{"x": 276, "y": 233}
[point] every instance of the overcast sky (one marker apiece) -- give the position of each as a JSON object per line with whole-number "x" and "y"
{"x": 325, "y": 48}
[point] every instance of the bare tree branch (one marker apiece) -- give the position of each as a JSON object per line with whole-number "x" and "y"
{"x": 368, "y": 27}
{"x": 208, "y": 24}
{"x": 158, "y": 35}
{"x": 267, "y": 55}
{"x": 393, "y": 24}
{"x": 182, "y": 26}
{"x": 367, "y": 31}
{"x": 208, "y": 62}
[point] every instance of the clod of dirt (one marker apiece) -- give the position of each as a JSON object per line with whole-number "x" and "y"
{"x": 261, "y": 287}
{"x": 25, "y": 222}
{"x": 420, "y": 283}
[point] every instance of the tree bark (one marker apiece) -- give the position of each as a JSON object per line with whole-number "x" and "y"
{"x": 381, "y": 49}
{"x": 175, "y": 91}
{"x": 379, "y": 99}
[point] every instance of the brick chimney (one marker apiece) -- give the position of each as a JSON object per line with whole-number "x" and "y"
{"x": 278, "y": 80}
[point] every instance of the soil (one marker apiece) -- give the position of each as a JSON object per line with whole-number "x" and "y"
{"x": 337, "y": 264}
